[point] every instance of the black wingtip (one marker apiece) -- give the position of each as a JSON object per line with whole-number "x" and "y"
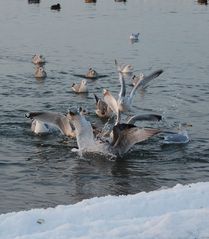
{"x": 96, "y": 98}
{"x": 158, "y": 117}
{"x": 160, "y": 72}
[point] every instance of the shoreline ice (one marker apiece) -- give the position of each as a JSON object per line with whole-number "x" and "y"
{"x": 178, "y": 212}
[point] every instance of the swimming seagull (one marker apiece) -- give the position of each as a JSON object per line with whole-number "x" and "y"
{"x": 38, "y": 59}
{"x": 44, "y": 121}
{"x": 134, "y": 37}
{"x": 179, "y": 137}
{"x": 40, "y": 73}
{"x": 80, "y": 87}
{"x": 124, "y": 137}
{"x": 124, "y": 102}
{"x": 124, "y": 68}
{"x": 91, "y": 74}
{"x": 102, "y": 109}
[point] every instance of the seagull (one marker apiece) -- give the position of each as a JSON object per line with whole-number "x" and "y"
{"x": 80, "y": 87}
{"x": 143, "y": 80}
{"x": 102, "y": 109}
{"x": 40, "y": 73}
{"x": 134, "y": 36}
{"x": 135, "y": 78}
{"x": 124, "y": 68}
{"x": 38, "y": 59}
{"x": 124, "y": 101}
{"x": 43, "y": 121}
{"x": 91, "y": 74}
{"x": 124, "y": 136}
{"x": 179, "y": 137}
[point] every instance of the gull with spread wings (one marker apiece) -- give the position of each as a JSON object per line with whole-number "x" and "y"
{"x": 124, "y": 101}
{"x": 124, "y": 136}
{"x": 45, "y": 122}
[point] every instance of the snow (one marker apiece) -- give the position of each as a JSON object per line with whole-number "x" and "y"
{"x": 179, "y": 212}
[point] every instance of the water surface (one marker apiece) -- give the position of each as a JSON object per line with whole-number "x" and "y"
{"x": 42, "y": 171}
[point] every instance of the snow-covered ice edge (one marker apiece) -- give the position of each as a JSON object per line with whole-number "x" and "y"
{"x": 178, "y": 212}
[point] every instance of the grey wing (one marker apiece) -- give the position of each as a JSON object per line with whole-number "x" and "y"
{"x": 44, "y": 116}
{"x": 142, "y": 83}
{"x": 145, "y": 117}
{"x": 64, "y": 125}
{"x": 129, "y": 137}
{"x": 122, "y": 92}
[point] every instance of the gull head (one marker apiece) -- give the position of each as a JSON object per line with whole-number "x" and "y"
{"x": 106, "y": 92}
{"x": 84, "y": 82}
{"x": 38, "y": 59}
{"x": 183, "y": 126}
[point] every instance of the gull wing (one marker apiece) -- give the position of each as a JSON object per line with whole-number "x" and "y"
{"x": 83, "y": 129}
{"x": 145, "y": 117}
{"x": 142, "y": 83}
{"x": 110, "y": 101}
{"x": 122, "y": 92}
{"x": 117, "y": 66}
{"x": 126, "y": 135}
{"x": 57, "y": 119}
{"x": 96, "y": 98}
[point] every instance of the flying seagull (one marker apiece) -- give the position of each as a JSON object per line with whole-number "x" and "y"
{"x": 124, "y": 101}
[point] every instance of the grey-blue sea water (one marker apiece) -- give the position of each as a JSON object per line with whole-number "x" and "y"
{"x": 41, "y": 171}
